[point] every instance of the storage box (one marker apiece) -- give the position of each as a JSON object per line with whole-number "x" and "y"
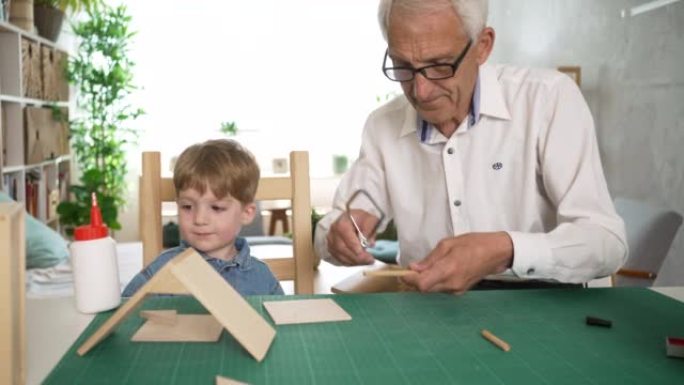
{"x": 46, "y": 137}
{"x": 53, "y": 65}
{"x": 32, "y": 79}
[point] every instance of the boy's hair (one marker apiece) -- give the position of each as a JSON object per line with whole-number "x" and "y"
{"x": 222, "y": 165}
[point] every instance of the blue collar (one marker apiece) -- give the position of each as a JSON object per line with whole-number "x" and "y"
{"x": 425, "y": 128}
{"x": 240, "y": 259}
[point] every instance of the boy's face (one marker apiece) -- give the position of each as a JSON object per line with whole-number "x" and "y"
{"x": 210, "y": 224}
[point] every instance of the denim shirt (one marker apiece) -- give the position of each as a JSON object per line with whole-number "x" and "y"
{"x": 246, "y": 274}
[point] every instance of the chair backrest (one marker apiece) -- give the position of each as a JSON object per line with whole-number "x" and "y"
{"x": 300, "y": 267}
{"x": 650, "y": 232}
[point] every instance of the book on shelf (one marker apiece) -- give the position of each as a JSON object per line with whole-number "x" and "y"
{"x": 33, "y": 178}
{"x": 9, "y": 185}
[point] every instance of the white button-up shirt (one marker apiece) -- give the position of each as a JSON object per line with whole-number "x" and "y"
{"x": 529, "y": 166}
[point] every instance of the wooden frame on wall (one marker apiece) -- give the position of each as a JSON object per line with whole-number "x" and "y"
{"x": 575, "y": 72}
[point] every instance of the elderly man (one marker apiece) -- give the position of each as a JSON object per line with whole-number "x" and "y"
{"x": 486, "y": 170}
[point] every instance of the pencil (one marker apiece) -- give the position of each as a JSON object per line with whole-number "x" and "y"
{"x": 387, "y": 273}
{"x": 495, "y": 340}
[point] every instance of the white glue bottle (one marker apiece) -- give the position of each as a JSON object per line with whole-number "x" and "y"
{"x": 94, "y": 262}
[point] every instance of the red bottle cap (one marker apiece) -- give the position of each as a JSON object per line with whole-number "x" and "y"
{"x": 96, "y": 229}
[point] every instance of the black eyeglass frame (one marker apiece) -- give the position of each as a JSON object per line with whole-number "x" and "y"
{"x": 454, "y": 67}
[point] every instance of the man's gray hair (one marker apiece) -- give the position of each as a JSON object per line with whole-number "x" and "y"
{"x": 473, "y": 13}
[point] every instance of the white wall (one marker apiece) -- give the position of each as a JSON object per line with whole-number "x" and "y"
{"x": 633, "y": 79}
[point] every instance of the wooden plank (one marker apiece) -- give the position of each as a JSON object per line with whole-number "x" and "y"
{"x": 282, "y": 268}
{"x": 301, "y": 223}
{"x": 12, "y": 294}
{"x": 303, "y": 311}
{"x": 167, "y": 317}
{"x": 224, "y": 303}
{"x": 150, "y": 214}
{"x": 272, "y": 188}
{"x": 186, "y": 328}
{"x": 168, "y": 190}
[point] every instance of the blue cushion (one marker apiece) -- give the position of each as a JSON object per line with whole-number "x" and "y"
{"x": 44, "y": 246}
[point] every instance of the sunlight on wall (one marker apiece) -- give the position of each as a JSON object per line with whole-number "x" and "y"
{"x": 301, "y": 74}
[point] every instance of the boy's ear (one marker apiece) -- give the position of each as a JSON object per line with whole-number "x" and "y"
{"x": 248, "y": 213}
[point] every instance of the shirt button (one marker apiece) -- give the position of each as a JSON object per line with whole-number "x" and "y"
{"x": 457, "y": 203}
{"x": 450, "y": 150}
{"x": 530, "y": 271}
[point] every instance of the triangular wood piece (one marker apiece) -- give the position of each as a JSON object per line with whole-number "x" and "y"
{"x": 190, "y": 273}
{"x": 165, "y": 317}
{"x": 185, "y": 328}
{"x": 227, "y": 381}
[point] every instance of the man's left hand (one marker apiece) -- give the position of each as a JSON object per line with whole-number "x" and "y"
{"x": 458, "y": 263}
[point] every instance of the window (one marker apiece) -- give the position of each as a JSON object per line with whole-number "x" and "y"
{"x": 301, "y": 74}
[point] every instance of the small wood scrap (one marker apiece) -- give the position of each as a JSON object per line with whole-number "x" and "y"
{"x": 167, "y": 326}
{"x": 166, "y": 317}
{"x": 228, "y": 381}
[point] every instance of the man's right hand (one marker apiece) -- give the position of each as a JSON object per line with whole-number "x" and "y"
{"x": 343, "y": 240}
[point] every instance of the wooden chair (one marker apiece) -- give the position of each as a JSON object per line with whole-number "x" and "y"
{"x": 299, "y": 268}
{"x": 650, "y": 232}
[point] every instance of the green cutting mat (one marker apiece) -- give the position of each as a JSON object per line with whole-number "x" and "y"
{"x": 407, "y": 338}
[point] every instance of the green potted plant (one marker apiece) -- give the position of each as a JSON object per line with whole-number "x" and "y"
{"x": 229, "y": 128}
{"x": 102, "y": 72}
{"x": 49, "y": 14}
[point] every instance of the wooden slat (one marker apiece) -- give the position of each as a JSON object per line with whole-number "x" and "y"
{"x": 301, "y": 222}
{"x": 282, "y": 268}
{"x": 150, "y": 213}
{"x": 12, "y": 294}
{"x": 637, "y": 274}
{"x": 168, "y": 190}
{"x": 271, "y": 188}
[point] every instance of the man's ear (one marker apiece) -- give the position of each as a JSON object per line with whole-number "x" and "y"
{"x": 485, "y": 44}
{"x": 248, "y": 213}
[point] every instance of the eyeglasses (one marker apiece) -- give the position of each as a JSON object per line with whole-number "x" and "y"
{"x": 432, "y": 71}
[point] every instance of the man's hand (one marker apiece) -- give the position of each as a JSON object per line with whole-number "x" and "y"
{"x": 343, "y": 240}
{"x": 458, "y": 263}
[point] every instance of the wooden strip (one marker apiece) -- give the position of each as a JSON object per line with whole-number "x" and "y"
{"x": 168, "y": 190}
{"x": 283, "y": 268}
{"x": 387, "y": 273}
{"x": 272, "y": 188}
{"x": 150, "y": 214}
{"x": 495, "y": 340}
{"x": 637, "y": 274}
{"x": 166, "y": 317}
{"x": 186, "y": 328}
{"x": 301, "y": 222}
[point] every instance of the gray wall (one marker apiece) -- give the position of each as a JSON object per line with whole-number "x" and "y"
{"x": 633, "y": 79}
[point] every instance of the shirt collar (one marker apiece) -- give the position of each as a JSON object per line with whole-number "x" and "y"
{"x": 240, "y": 259}
{"x": 492, "y": 103}
{"x": 487, "y": 100}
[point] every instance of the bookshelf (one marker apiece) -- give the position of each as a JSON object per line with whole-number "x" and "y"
{"x": 34, "y": 107}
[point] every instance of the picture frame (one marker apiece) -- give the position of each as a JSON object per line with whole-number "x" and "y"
{"x": 575, "y": 73}
{"x": 280, "y": 166}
